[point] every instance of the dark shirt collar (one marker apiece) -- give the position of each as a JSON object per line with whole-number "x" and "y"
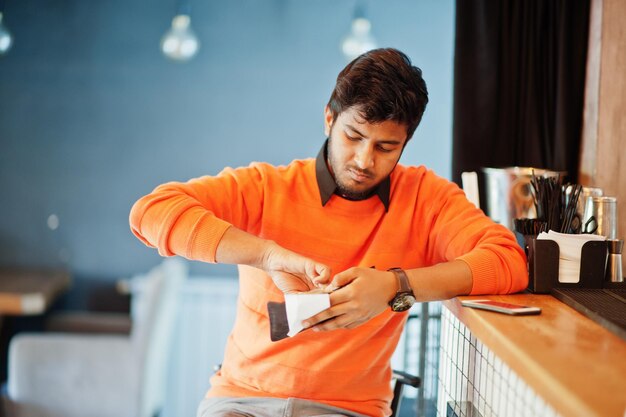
{"x": 328, "y": 186}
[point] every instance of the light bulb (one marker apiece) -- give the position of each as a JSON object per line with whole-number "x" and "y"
{"x": 359, "y": 40}
{"x": 6, "y": 40}
{"x": 180, "y": 42}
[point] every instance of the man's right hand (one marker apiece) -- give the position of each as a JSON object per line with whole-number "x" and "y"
{"x": 292, "y": 272}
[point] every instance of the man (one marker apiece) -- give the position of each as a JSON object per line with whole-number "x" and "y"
{"x": 353, "y": 222}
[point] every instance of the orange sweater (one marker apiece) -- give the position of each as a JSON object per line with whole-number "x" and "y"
{"x": 429, "y": 221}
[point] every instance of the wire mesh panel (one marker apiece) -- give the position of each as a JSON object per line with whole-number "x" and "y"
{"x": 473, "y": 382}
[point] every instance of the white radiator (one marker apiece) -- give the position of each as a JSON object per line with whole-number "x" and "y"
{"x": 206, "y": 315}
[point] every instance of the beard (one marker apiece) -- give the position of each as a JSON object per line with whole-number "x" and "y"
{"x": 354, "y": 195}
{"x": 350, "y": 193}
{"x": 343, "y": 188}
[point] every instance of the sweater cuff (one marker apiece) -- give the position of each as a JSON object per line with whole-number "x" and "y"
{"x": 484, "y": 279}
{"x": 209, "y": 233}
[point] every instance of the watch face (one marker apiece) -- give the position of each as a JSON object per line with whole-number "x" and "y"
{"x": 402, "y": 302}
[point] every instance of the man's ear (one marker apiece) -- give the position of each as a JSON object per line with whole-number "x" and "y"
{"x": 328, "y": 121}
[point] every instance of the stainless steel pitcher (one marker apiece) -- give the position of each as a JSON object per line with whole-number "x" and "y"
{"x": 508, "y": 193}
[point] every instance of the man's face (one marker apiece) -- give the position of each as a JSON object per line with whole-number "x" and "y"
{"x": 360, "y": 154}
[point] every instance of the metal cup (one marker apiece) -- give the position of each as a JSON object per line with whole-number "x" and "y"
{"x": 587, "y": 192}
{"x": 604, "y": 210}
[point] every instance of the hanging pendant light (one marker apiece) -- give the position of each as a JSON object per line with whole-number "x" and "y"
{"x": 6, "y": 39}
{"x": 359, "y": 40}
{"x": 180, "y": 42}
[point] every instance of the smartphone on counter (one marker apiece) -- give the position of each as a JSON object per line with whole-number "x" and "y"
{"x": 501, "y": 307}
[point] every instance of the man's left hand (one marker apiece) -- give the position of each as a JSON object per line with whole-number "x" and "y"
{"x": 362, "y": 294}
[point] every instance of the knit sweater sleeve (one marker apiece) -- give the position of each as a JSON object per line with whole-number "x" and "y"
{"x": 189, "y": 219}
{"x": 459, "y": 230}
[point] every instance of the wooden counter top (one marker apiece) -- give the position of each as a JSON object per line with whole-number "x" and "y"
{"x": 574, "y": 364}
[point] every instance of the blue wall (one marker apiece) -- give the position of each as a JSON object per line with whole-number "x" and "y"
{"x": 92, "y": 116}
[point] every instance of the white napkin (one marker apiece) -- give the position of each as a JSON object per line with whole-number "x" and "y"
{"x": 570, "y": 249}
{"x": 301, "y": 306}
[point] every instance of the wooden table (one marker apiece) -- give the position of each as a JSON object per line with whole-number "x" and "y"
{"x": 30, "y": 292}
{"x": 576, "y": 365}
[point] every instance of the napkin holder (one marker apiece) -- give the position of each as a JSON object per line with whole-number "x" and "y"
{"x": 543, "y": 266}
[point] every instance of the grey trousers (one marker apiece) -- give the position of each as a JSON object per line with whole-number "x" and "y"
{"x": 269, "y": 407}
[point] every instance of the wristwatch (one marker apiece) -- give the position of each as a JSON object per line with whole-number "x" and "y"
{"x": 404, "y": 298}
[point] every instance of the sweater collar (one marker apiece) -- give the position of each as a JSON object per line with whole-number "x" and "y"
{"x": 327, "y": 185}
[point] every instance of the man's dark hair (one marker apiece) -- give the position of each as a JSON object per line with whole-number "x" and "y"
{"x": 381, "y": 85}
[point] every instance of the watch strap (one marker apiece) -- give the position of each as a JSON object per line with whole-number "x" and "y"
{"x": 403, "y": 280}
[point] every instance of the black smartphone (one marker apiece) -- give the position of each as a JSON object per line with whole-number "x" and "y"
{"x": 501, "y": 307}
